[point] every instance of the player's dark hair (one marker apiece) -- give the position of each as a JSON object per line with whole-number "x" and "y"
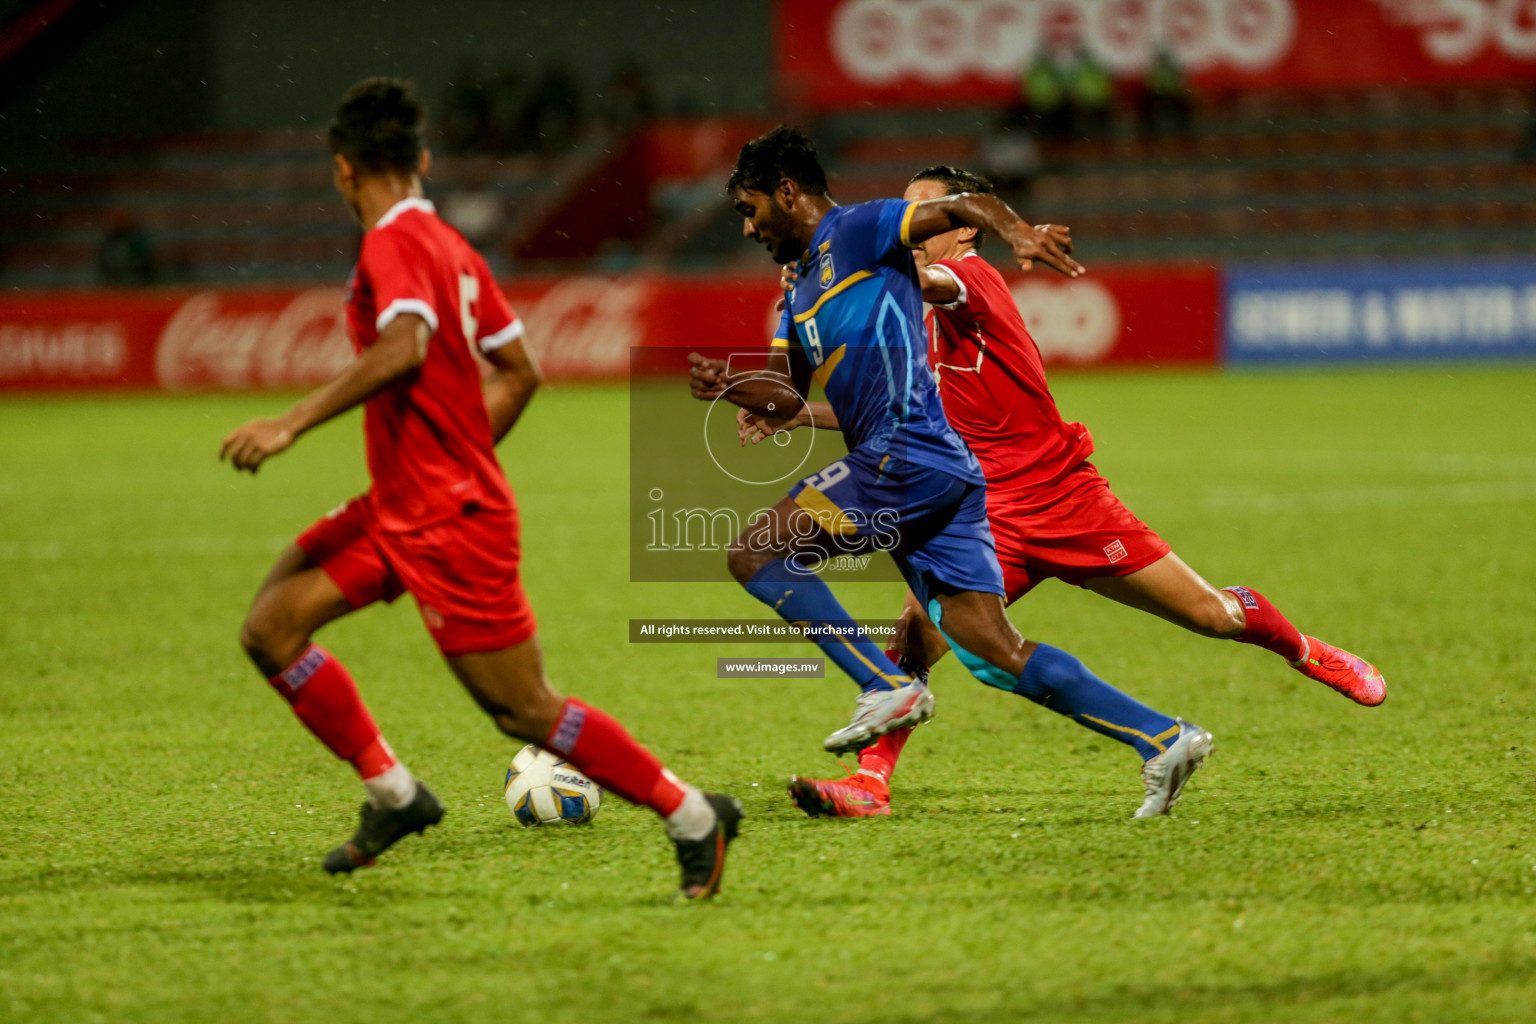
{"x": 378, "y": 126}
{"x": 955, "y": 181}
{"x": 768, "y": 159}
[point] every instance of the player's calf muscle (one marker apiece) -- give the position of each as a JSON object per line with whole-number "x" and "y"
{"x": 1219, "y": 615}
{"x": 984, "y": 633}
{"x": 509, "y": 686}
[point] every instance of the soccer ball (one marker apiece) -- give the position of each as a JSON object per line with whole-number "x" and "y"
{"x": 542, "y": 789}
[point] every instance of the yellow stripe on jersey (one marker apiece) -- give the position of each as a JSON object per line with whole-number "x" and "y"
{"x": 849, "y": 280}
{"x": 906, "y": 225}
{"x": 823, "y": 372}
{"x": 779, "y": 343}
{"x": 828, "y": 515}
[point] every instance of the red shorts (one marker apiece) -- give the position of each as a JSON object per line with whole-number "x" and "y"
{"x": 463, "y": 572}
{"x": 1084, "y": 534}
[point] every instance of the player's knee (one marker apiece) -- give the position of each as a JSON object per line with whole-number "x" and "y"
{"x": 744, "y": 561}
{"x": 255, "y": 636}
{"x": 268, "y": 640}
{"x": 530, "y": 720}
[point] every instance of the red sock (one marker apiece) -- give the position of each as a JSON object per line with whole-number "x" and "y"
{"x": 1266, "y": 627}
{"x": 880, "y": 759}
{"x": 326, "y": 700}
{"x": 598, "y": 745}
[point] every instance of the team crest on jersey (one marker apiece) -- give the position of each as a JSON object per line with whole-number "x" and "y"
{"x": 827, "y": 270}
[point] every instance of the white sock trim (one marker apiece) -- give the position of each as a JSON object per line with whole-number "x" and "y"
{"x": 694, "y": 818}
{"x": 1306, "y": 652}
{"x": 391, "y": 788}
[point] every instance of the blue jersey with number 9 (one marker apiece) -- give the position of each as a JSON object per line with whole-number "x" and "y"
{"x": 857, "y": 314}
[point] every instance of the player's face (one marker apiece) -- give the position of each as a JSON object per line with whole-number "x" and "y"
{"x": 766, "y": 220}
{"x": 939, "y": 246}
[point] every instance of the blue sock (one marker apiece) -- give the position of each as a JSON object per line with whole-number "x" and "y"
{"x": 803, "y": 598}
{"x": 1056, "y": 680}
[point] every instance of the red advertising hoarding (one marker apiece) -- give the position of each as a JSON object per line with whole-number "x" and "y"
{"x": 846, "y": 54}
{"x": 581, "y": 327}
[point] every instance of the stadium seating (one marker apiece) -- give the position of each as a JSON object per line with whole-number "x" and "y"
{"x": 1397, "y": 172}
{"x": 228, "y": 207}
{"x": 1394, "y": 172}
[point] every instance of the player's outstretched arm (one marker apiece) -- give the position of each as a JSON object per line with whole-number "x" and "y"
{"x": 515, "y": 376}
{"x": 400, "y": 350}
{"x": 1051, "y": 244}
{"x": 777, "y": 388}
{"x": 754, "y": 428}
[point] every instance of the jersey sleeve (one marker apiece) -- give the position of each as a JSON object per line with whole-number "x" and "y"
{"x": 399, "y": 278}
{"x": 984, "y": 295}
{"x": 498, "y": 324}
{"x": 880, "y": 228}
{"x": 784, "y": 337}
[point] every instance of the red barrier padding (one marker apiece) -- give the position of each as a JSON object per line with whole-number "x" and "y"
{"x": 580, "y": 327}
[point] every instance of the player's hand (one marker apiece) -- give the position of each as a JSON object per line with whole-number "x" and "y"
{"x": 707, "y": 378}
{"x": 755, "y": 427}
{"x": 248, "y": 446}
{"x": 787, "y": 278}
{"x": 1051, "y": 244}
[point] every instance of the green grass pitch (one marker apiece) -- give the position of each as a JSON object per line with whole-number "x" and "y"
{"x": 162, "y": 816}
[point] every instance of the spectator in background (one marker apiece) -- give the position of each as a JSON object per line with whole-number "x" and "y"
{"x": 1526, "y": 150}
{"x": 466, "y": 118}
{"x": 126, "y": 256}
{"x": 552, "y": 115}
{"x": 1010, "y": 153}
{"x": 505, "y": 101}
{"x": 627, "y": 102}
{"x": 1044, "y": 89}
{"x": 1092, "y": 93}
{"x": 1166, "y": 102}
{"x": 475, "y": 208}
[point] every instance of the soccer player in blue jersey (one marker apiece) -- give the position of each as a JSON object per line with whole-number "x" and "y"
{"x": 854, "y": 324}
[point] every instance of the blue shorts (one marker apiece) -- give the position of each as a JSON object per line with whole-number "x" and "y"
{"x": 933, "y": 523}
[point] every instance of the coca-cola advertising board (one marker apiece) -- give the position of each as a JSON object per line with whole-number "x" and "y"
{"x": 580, "y": 327}
{"x": 851, "y": 53}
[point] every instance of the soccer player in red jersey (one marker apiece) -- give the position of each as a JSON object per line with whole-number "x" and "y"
{"x": 1052, "y": 514}
{"x": 439, "y": 520}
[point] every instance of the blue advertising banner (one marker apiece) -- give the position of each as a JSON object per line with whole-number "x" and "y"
{"x": 1365, "y": 311}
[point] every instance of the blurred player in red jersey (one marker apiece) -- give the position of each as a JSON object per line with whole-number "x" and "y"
{"x": 439, "y": 520}
{"x": 1052, "y": 514}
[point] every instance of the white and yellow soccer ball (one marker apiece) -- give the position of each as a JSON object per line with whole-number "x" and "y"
{"x": 542, "y": 789}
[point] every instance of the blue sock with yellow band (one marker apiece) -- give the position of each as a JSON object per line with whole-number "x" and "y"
{"x": 803, "y": 598}
{"x": 1055, "y": 679}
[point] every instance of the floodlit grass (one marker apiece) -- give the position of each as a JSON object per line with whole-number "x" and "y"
{"x": 164, "y": 816}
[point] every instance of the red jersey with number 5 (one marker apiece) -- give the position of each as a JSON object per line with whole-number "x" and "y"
{"x": 993, "y": 386}
{"x": 430, "y": 451}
